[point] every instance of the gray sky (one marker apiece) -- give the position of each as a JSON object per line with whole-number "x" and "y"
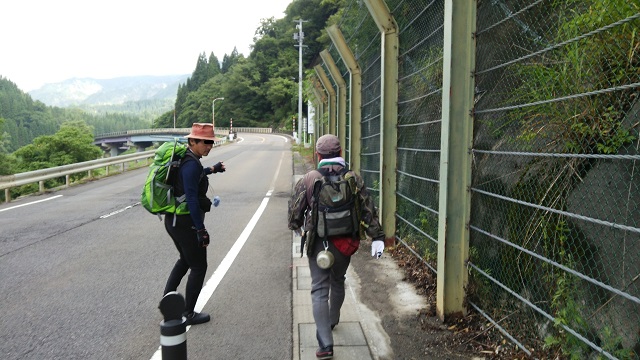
{"x": 45, "y": 41}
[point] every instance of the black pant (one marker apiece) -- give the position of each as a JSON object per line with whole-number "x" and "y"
{"x": 192, "y": 257}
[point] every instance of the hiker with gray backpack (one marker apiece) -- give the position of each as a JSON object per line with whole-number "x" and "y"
{"x": 186, "y": 226}
{"x": 332, "y": 211}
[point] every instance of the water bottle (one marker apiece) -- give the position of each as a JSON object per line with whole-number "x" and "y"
{"x": 216, "y": 201}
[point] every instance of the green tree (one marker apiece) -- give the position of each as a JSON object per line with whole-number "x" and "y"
{"x": 259, "y": 90}
{"x": 214, "y": 66}
{"x": 249, "y": 104}
{"x": 316, "y": 13}
{"x": 200, "y": 74}
{"x": 229, "y": 60}
{"x": 279, "y": 92}
{"x": 73, "y": 143}
{"x": 167, "y": 118}
{"x": 7, "y": 161}
{"x": 3, "y": 137}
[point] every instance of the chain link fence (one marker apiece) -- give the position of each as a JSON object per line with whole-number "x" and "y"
{"x": 419, "y": 125}
{"x": 554, "y": 231}
{"x": 556, "y": 190}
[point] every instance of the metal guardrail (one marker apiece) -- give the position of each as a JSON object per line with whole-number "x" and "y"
{"x": 30, "y": 177}
{"x": 39, "y": 176}
{"x": 9, "y": 181}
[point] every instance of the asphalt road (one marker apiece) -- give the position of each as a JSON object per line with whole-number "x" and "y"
{"x": 82, "y": 270}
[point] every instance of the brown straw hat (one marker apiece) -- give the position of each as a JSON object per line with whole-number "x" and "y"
{"x": 202, "y": 131}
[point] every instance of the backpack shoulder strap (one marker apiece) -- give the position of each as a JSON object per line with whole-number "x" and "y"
{"x": 317, "y": 182}
{"x": 188, "y": 155}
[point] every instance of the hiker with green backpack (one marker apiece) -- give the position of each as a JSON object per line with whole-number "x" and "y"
{"x": 186, "y": 227}
{"x": 333, "y": 208}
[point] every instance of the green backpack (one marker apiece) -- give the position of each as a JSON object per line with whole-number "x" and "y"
{"x": 158, "y": 195}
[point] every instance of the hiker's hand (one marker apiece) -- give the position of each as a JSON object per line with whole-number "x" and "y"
{"x": 203, "y": 238}
{"x": 377, "y": 247}
{"x": 219, "y": 167}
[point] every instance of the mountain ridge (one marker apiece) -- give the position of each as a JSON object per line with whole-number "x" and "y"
{"x": 91, "y": 92}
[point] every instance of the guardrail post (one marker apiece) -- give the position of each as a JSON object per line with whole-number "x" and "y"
{"x": 173, "y": 329}
{"x": 7, "y": 195}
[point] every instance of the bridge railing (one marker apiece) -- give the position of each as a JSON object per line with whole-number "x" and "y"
{"x": 143, "y": 131}
{"x": 219, "y": 131}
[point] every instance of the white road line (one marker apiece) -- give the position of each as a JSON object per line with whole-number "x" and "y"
{"x": 221, "y": 271}
{"x": 31, "y": 203}
{"x": 119, "y": 211}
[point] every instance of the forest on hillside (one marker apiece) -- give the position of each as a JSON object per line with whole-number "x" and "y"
{"x": 261, "y": 89}
{"x": 23, "y": 119}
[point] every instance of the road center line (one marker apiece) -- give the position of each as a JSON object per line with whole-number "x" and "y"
{"x": 119, "y": 211}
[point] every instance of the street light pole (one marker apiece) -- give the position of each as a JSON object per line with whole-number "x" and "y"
{"x": 213, "y": 111}
{"x": 300, "y": 37}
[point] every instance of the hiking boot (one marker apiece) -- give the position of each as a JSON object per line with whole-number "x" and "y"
{"x": 195, "y": 318}
{"x": 324, "y": 353}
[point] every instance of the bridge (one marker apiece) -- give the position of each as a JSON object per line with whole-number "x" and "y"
{"x": 121, "y": 141}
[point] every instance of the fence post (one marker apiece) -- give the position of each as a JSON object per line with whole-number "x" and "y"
{"x": 173, "y": 329}
{"x": 324, "y": 80}
{"x": 455, "y": 157}
{"x": 341, "y": 108}
{"x": 389, "y": 113}
{"x": 355, "y": 97}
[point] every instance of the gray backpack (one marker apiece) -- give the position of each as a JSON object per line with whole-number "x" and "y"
{"x": 335, "y": 204}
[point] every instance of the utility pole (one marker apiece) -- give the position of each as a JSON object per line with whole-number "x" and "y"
{"x": 300, "y": 37}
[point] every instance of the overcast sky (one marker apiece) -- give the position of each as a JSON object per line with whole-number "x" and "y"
{"x": 48, "y": 41}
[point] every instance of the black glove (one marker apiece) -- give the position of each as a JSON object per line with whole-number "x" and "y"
{"x": 219, "y": 167}
{"x": 203, "y": 238}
